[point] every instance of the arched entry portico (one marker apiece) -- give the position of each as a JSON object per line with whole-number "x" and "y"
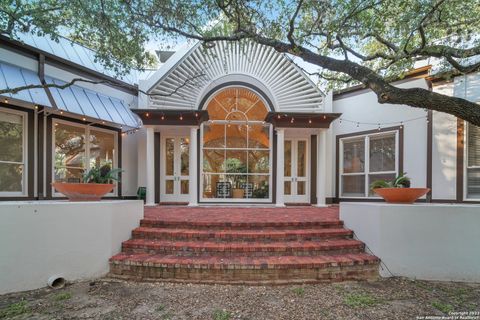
{"x": 236, "y": 147}
{"x": 245, "y": 93}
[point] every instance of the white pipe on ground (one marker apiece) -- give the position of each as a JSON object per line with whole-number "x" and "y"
{"x": 56, "y": 282}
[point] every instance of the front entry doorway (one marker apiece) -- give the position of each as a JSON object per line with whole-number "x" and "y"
{"x": 296, "y": 171}
{"x": 174, "y": 169}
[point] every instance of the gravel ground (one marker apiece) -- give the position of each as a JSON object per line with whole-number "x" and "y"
{"x": 394, "y": 298}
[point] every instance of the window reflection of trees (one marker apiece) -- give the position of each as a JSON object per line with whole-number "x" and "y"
{"x": 11, "y": 152}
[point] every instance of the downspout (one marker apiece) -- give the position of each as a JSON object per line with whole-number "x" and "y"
{"x": 429, "y": 148}
{"x": 42, "y": 130}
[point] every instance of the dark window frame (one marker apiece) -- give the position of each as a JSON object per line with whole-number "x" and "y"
{"x": 400, "y": 148}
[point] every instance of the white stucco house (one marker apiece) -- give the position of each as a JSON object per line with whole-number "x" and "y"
{"x": 229, "y": 124}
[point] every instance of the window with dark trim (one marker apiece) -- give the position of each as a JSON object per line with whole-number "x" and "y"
{"x": 13, "y": 152}
{"x": 364, "y": 158}
{"x": 78, "y": 147}
{"x": 472, "y": 163}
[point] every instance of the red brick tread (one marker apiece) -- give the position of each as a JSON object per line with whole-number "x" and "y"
{"x": 277, "y": 234}
{"x": 242, "y": 248}
{"x": 214, "y": 262}
{"x": 212, "y": 224}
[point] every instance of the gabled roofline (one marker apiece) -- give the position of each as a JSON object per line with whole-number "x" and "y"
{"x": 33, "y": 52}
{"x": 178, "y": 57}
{"x": 417, "y": 73}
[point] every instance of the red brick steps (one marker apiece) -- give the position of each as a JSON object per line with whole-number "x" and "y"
{"x": 240, "y": 235}
{"x": 358, "y": 266}
{"x": 236, "y": 225}
{"x": 243, "y": 245}
{"x": 198, "y": 248}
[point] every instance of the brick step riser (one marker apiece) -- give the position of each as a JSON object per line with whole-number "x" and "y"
{"x": 246, "y": 238}
{"x": 256, "y": 226}
{"x": 239, "y": 253}
{"x": 246, "y": 276}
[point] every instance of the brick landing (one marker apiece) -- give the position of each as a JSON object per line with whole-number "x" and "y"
{"x": 243, "y": 245}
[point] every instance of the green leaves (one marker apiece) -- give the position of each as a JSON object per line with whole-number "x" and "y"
{"x": 101, "y": 174}
{"x": 401, "y": 181}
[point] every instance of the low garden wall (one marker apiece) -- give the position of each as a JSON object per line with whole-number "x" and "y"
{"x": 73, "y": 240}
{"x": 422, "y": 241}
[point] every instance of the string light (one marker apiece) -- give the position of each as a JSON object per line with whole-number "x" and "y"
{"x": 196, "y": 114}
{"x": 85, "y": 119}
{"x": 6, "y": 100}
{"x": 61, "y": 112}
{"x": 324, "y": 117}
{"x": 381, "y": 125}
{"x": 36, "y": 107}
{"x": 181, "y": 117}
{"x": 291, "y": 121}
{"x": 162, "y": 117}
{"x": 147, "y": 114}
{"x": 279, "y": 116}
{"x": 310, "y": 121}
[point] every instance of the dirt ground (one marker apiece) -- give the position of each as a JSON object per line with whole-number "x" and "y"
{"x": 112, "y": 299}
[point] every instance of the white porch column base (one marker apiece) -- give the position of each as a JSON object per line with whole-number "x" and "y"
{"x": 192, "y": 168}
{"x": 280, "y": 201}
{"x": 321, "y": 168}
{"x": 150, "y": 167}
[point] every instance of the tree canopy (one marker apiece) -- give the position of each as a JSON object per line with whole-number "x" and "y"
{"x": 370, "y": 42}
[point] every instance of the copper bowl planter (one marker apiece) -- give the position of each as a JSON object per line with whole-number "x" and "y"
{"x": 83, "y": 191}
{"x": 401, "y": 195}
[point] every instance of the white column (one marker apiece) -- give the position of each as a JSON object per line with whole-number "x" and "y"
{"x": 192, "y": 167}
{"x": 150, "y": 167}
{"x": 280, "y": 167}
{"x": 321, "y": 167}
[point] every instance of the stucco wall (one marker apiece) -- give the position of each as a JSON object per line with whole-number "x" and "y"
{"x": 40, "y": 239}
{"x": 422, "y": 241}
{"x": 129, "y": 165}
{"x": 364, "y": 107}
{"x": 444, "y": 150}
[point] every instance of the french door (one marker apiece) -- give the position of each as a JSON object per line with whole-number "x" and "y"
{"x": 174, "y": 169}
{"x": 296, "y": 184}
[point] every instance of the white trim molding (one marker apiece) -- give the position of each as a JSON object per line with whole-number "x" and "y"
{"x": 199, "y": 69}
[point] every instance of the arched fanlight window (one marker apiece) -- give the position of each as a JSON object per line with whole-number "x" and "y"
{"x": 236, "y": 147}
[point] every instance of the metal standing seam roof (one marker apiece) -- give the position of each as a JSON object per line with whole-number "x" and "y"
{"x": 89, "y": 103}
{"x": 73, "y": 99}
{"x": 12, "y": 77}
{"x": 73, "y": 52}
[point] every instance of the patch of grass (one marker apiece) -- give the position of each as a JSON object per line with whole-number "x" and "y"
{"x": 167, "y": 316}
{"x": 221, "y": 315}
{"x": 62, "y": 296}
{"x": 299, "y": 291}
{"x": 160, "y": 308}
{"x": 361, "y": 300}
{"x": 444, "y": 307}
{"x": 424, "y": 285}
{"x": 15, "y": 309}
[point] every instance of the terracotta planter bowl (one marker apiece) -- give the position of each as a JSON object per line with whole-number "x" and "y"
{"x": 401, "y": 195}
{"x": 83, "y": 191}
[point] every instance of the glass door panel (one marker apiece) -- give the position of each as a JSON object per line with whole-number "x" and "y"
{"x": 296, "y": 171}
{"x": 183, "y": 146}
{"x": 175, "y": 170}
{"x": 169, "y": 179}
